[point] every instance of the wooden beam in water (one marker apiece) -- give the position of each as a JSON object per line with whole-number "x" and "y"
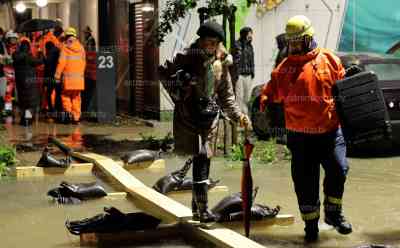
{"x": 223, "y": 237}
{"x": 145, "y": 197}
{"x": 280, "y": 220}
{"x": 216, "y": 189}
{"x": 167, "y": 231}
{"x": 35, "y": 171}
{"x": 80, "y": 169}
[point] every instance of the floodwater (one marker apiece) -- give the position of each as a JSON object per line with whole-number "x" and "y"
{"x": 30, "y": 219}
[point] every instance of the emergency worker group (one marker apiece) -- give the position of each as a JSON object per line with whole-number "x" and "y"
{"x": 43, "y": 72}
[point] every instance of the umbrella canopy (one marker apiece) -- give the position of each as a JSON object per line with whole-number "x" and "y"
{"x": 34, "y": 25}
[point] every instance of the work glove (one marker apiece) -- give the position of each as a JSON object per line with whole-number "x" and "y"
{"x": 263, "y": 102}
{"x": 244, "y": 121}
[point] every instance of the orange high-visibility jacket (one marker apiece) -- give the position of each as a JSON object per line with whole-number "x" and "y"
{"x": 71, "y": 66}
{"x": 52, "y": 38}
{"x": 303, "y": 83}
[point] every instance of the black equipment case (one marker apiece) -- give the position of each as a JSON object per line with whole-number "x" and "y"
{"x": 361, "y": 108}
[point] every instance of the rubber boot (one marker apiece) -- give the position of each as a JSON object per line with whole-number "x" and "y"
{"x": 195, "y": 210}
{"x": 334, "y": 217}
{"x": 311, "y": 231}
{"x": 201, "y": 199}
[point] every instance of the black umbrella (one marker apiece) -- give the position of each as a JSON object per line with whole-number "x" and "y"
{"x": 34, "y": 25}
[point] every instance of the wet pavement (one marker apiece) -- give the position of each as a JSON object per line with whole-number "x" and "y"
{"x": 28, "y": 217}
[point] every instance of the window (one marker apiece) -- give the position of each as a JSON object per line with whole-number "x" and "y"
{"x": 385, "y": 72}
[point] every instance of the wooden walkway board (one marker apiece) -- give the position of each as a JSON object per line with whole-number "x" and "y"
{"x": 153, "y": 202}
{"x": 35, "y": 171}
{"x": 80, "y": 169}
{"x": 131, "y": 237}
{"x": 224, "y": 237}
{"x": 280, "y": 220}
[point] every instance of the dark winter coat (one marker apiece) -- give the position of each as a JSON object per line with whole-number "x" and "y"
{"x": 25, "y": 78}
{"x": 243, "y": 58}
{"x": 50, "y": 62}
{"x": 195, "y": 63}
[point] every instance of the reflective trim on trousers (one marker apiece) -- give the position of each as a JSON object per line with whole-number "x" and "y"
{"x": 310, "y": 216}
{"x": 333, "y": 200}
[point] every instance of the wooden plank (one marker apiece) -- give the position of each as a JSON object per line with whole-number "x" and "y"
{"x": 280, "y": 220}
{"x": 224, "y": 237}
{"x": 116, "y": 196}
{"x": 131, "y": 237}
{"x": 216, "y": 189}
{"x": 35, "y": 171}
{"x": 153, "y": 202}
{"x": 80, "y": 169}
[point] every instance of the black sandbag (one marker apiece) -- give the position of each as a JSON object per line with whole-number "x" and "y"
{"x": 68, "y": 193}
{"x": 112, "y": 221}
{"x": 47, "y": 160}
{"x": 61, "y": 196}
{"x": 84, "y": 190}
{"x": 140, "y": 156}
{"x": 258, "y": 212}
{"x": 173, "y": 180}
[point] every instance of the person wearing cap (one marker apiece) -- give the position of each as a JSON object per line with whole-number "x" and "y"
{"x": 71, "y": 71}
{"x": 205, "y": 78}
{"x": 243, "y": 54}
{"x": 302, "y": 82}
{"x": 90, "y": 42}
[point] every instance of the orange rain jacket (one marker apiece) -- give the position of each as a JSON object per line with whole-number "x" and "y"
{"x": 50, "y": 37}
{"x": 303, "y": 83}
{"x": 71, "y": 66}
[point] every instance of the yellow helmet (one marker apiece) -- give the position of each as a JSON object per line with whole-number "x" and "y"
{"x": 70, "y": 32}
{"x": 299, "y": 26}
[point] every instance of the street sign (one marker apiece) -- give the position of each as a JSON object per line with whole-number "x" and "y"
{"x": 105, "y": 86}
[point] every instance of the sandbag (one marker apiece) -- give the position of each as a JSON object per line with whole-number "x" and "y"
{"x": 230, "y": 209}
{"x": 68, "y": 193}
{"x": 140, "y": 156}
{"x": 112, "y": 221}
{"x": 47, "y": 160}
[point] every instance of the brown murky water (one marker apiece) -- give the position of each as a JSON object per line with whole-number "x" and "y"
{"x": 29, "y": 219}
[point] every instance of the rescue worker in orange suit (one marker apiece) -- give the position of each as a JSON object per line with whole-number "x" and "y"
{"x": 302, "y": 82}
{"x": 71, "y": 71}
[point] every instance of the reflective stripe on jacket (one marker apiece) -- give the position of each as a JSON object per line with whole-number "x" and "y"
{"x": 71, "y": 66}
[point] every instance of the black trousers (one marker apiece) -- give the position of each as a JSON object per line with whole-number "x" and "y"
{"x": 309, "y": 151}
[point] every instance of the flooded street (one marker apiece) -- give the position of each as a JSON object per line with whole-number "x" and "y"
{"x": 29, "y": 217}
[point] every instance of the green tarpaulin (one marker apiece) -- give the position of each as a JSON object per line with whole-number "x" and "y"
{"x": 370, "y": 26}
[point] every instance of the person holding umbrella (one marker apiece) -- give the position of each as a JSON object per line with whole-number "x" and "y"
{"x": 71, "y": 72}
{"x": 303, "y": 83}
{"x": 202, "y": 86}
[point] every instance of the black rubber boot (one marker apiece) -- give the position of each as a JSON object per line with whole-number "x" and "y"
{"x": 195, "y": 210}
{"x": 201, "y": 200}
{"x": 311, "y": 231}
{"x": 334, "y": 217}
{"x": 337, "y": 220}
